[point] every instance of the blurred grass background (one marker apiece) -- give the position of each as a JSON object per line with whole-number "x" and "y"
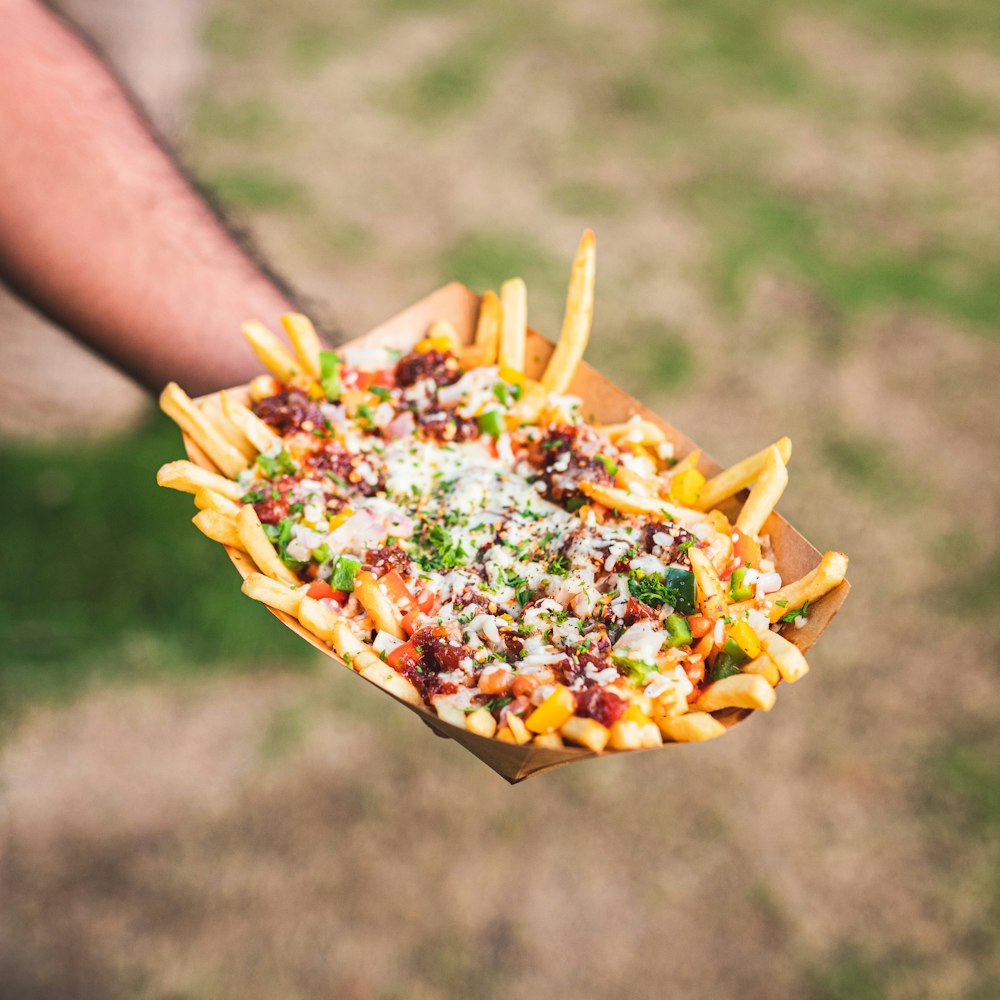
{"x": 796, "y": 210}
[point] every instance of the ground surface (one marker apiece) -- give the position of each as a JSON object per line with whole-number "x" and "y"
{"x": 796, "y": 216}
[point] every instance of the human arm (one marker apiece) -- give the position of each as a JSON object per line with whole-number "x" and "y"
{"x": 100, "y": 230}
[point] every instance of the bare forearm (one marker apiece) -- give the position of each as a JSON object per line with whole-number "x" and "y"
{"x": 100, "y": 230}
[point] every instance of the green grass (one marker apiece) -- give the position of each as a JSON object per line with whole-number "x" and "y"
{"x": 252, "y": 119}
{"x": 963, "y": 783}
{"x": 311, "y": 47}
{"x": 850, "y": 974}
{"x": 106, "y": 577}
{"x": 757, "y": 229}
{"x": 486, "y": 259}
{"x": 449, "y": 84}
{"x": 255, "y": 188}
{"x": 937, "y": 110}
{"x": 226, "y": 35}
{"x": 870, "y": 466}
{"x": 587, "y": 200}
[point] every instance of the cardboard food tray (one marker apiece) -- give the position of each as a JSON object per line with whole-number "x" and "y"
{"x": 605, "y": 402}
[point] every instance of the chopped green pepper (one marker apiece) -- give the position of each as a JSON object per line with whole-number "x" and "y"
{"x": 344, "y": 571}
{"x": 491, "y": 422}
{"x": 678, "y": 630}
{"x": 738, "y": 589}
{"x": 329, "y": 374}
{"x": 730, "y": 661}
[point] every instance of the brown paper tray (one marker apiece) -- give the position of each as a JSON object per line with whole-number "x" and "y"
{"x": 607, "y": 403}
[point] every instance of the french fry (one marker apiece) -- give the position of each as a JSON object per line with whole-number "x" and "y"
{"x": 258, "y": 546}
{"x": 828, "y": 574}
{"x": 272, "y": 353}
{"x": 527, "y": 408}
{"x": 786, "y": 657}
{"x": 206, "y": 499}
{"x": 551, "y": 741}
{"x": 635, "y": 431}
{"x": 518, "y": 729}
{"x": 711, "y": 592}
{"x": 443, "y": 336}
{"x": 764, "y": 666}
{"x": 487, "y": 340}
{"x": 179, "y": 406}
{"x": 451, "y": 714}
{"x": 514, "y": 325}
{"x": 276, "y": 595}
{"x": 305, "y": 341}
{"x": 212, "y": 410}
{"x": 577, "y": 320}
{"x": 319, "y": 618}
{"x": 737, "y": 691}
{"x": 263, "y": 386}
{"x": 765, "y": 493}
{"x": 632, "y": 503}
{"x": 374, "y": 600}
{"x": 218, "y": 527}
{"x": 362, "y": 658}
{"x": 189, "y": 478}
{"x": 691, "y": 728}
{"x": 739, "y": 476}
{"x": 481, "y": 722}
{"x": 260, "y": 436}
{"x": 587, "y": 733}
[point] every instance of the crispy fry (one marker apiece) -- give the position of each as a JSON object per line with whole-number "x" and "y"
{"x": 189, "y": 478}
{"x": 739, "y": 476}
{"x": 179, "y": 406}
{"x": 514, "y": 326}
{"x": 786, "y": 657}
{"x": 711, "y": 591}
{"x": 212, "y": 410}
{"x": 487, "y": 340}
{"x": 635, "y": 430}
{"x": 828, "y": 574}
{"x": 374, "y": 600}
{"x": 690, "y": 728}
{"x": 319, "y": 618}
{"x": 260, "y": 436}
{"x": 632, "y": 503}
{"x": 218, "y": 527}
{"x": 443, "y": 336}
{"x": 577, "y": 321}
{"x": 588, "y": 733}
{"x": 263, "y": 386}
{"x": 304, "y": 340}
{"x": 551, "y": 741}
{"x": 518, "y": 729}
{"x": 258, "y": 546}
{"x": 272, "y": 353}
{"x": 481, "y": 722}
{"x": 276, "y": 595}
{"x": 362, "y": 658}
{"x": 737, "y": 691}
{"x": 764, "y": 667}
{"x": 527, "y": 408}
{"x": 206, "y": 499}
{"x": 766, "y": 492}
{"x": 451, "y": 714}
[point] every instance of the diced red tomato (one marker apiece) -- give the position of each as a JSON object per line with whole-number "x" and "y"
{"x": 320, "y": 590}
{"x": 406, "y": 655}
{"x": 354, "y": 378}
{"x": 412, "y": 620}
{"x": 425, "y": 600}
{"x": 399, "y": 593}
{"x": 746, "y": 550}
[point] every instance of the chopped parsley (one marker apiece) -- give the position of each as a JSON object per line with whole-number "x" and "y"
{"x": 609, "y": 465}
{"x": 797, "y": 613}
{"x": 440, "y": 551}
{"x": 380, "y": 391}
{"x": 339, "y": 480}
{"x": 676, "y": 588}
{"x": 272, "y": 465}
{"x": 637, "y": 670}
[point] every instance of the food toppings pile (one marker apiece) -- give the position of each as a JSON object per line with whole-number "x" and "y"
{"x": 464, "y": 537}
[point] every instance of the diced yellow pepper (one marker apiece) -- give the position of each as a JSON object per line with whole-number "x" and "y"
{"x": 686, "y": 486}
{"x": 339, "y": 519}
{"x": 745, "y": 637}
{"x": 554, "y": 712}
{"x": 511, "y": 375}
{"x": 635, "y": 714}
